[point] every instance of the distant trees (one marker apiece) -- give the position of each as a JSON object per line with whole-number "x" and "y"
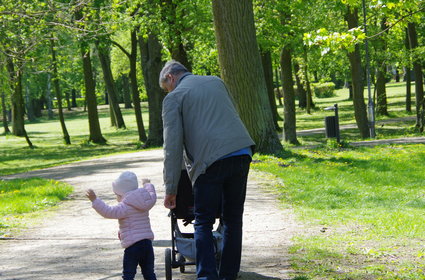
{"x": 114, "y": 48}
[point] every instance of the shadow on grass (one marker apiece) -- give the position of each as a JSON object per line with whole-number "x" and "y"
{"x": 256, "y": 276}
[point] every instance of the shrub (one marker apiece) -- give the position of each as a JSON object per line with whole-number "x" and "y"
{"x": 323, "y": 90}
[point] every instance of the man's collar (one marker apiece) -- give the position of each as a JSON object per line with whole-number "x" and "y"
{"x": 182, "y": 77}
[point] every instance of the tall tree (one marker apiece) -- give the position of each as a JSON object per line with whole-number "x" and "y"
{"x": 301, "y": 92}
{"x": 132, "y": 56}
{"x": 417, "y": 68}
{"x": 58, "y": 92}
{"x": 266, "y": 59}
{"x": 381, "y": 94}
{"x": 18, "y": 36}
{"x": 242, "y": 71}
{"x": 103, "y": 51}
{"x": 289, "y": 124}
{"x": 3, "y": 89}
{"x": 357, "y": 77}
{"x": 18, "y": 111}
{"x": 95, "y": 135}
{"x": 408, "y": 74}
{"x": 4, "y": 113}
{"x": 150, "y": 52}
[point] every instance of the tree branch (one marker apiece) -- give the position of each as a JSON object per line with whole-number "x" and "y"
{"x": 394, "y": 24}
{"x": 121, "y": 48}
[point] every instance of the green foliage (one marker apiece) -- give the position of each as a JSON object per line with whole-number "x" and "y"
{"x": 333, "y": 41}
{"x": 323, "y": 90}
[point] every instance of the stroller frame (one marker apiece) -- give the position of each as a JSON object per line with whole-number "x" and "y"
{"x": 183, "y": 251}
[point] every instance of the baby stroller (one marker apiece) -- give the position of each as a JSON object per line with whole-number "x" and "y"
{"x": 183, "y": 250}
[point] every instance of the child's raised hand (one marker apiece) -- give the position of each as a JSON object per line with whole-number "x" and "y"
{"x": 145, "y": 180}
{"x": 91, "y": 195}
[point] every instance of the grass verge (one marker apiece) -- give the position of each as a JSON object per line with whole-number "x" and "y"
{"x": 51, "y": 151}
{"x": 364, "y": 207}
{"x": 20, "y": 197}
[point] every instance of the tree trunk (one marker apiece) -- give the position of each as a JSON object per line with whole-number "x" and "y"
{"x": 37, "y": 104}
{"x": 289, "y": 127}
{"x": 18, "y": 123}
{"x": 126, "y": 91}
{"x": 357, "y": 78}
{"x": 17, "y": 99}
{"x": 48, "y": 99}
{"x": 28, "y": 104}
{"x": 417, "y": 69}
{"x": 112, "y": 115}
{"x": 381, "y": 93}
{"x": 241, "y": 69}
{"x": 310, "y": 103}
{"x": 408, "y": 90}
{"x": 134, "y": 87}
{"x": 103, "y": 51}
{"x": 301, "y": 92}
{"x": 408, "y": 76}
{"x": 4, "y": 114}
{"x": 278, "y": 84}
{"x": 66, "y": 137}
{"x": 73, "y": 98}
{"x": 94, "y": 126}
{"x": 150, "y": 52}
{"x": 68, "y": 102}
{"x": 289, "y": 124}
{"x": 266, "y": 59}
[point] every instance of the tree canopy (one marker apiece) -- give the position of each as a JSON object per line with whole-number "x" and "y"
{"x": 318, "y": 41}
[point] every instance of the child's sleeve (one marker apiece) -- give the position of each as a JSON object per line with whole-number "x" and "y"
{"x": 149, "y": 196}
{"x": 111, "y": 212}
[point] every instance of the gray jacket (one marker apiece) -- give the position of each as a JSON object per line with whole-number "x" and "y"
{"x": 200, "y": 119}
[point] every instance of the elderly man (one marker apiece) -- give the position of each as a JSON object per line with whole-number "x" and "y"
{"x": 200, "y": 121}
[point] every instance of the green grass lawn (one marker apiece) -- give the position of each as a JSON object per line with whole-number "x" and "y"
{"x": 363, "y": 207}
{"x": 49, "y": 150}
{"x": 396, "y": 109}
{"x": 19, "y": 198}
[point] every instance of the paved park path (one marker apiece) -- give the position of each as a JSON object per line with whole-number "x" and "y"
{"x": 73, "y": 242}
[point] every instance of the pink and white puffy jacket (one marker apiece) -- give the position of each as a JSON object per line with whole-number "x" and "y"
{"x": 132, "y": 214}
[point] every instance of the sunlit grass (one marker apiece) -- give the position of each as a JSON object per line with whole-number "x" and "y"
{"x": 50, "y": 149}
{"x": 364, "y": 208}
{"x": 22, "y": 196}
{"x": 396, "y": 108}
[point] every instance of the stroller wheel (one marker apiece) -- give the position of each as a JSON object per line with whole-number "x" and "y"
{"x": 181, "y": 260}
{"x": 182, "y": 268}
{"x": 168, "y": 260}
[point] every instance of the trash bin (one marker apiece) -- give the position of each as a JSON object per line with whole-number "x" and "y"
{"x": 331, "y": 127}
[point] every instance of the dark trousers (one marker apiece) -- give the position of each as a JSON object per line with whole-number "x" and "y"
{"x": 223, "y": 184}
{"x": 140, "y": 253}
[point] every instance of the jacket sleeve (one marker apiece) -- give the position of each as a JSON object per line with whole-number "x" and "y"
{"x": 111, "y": 212}
{"x": 149, "y": 197}
{"x": 173, "y": 144}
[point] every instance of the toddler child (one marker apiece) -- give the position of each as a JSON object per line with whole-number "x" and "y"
{"x": 132, "y": 212}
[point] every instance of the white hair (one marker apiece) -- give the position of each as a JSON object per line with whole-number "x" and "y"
{"x": 171, "y": 67}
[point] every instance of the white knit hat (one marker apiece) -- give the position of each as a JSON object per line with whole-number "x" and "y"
{"x": 126, "y": 182}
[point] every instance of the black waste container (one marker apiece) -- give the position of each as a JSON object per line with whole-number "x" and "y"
{"x": 330, "y": 127}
